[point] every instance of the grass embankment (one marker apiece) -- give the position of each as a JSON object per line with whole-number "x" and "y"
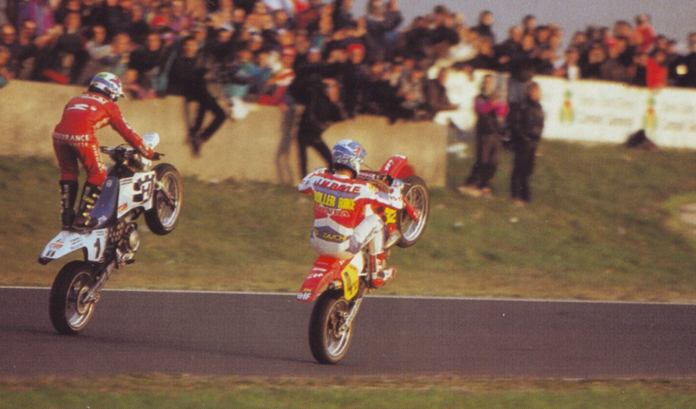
{"x": 598, "y": 229}
{"x": 187, "y": 392}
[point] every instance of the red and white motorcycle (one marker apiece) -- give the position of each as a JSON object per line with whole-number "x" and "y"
{"x": 133, "y": 188}
{"x": 338, "y": 286}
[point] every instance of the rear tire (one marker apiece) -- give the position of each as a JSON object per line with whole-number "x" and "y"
{"x": 69, "y": 312}
{"x": 417, "y": 194}
{"x": 328, "y": 345}
{"x": 166, "y": 208}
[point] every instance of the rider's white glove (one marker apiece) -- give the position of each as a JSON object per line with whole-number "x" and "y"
{"x": 396, "y": 193}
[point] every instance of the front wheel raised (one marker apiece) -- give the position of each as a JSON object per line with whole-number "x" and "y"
{"x": 417, "y": 195}
{"x": 328, "y": 338}
{"x": 69, "y": 308}
{"x": 169, "y": 193}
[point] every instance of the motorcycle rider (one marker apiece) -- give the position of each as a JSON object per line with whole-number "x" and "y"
{"x": 74, "y": 139}
{"x": 345, "y": 218}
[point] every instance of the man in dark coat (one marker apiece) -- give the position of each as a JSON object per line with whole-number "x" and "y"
{"x": 321, "y": 110}
{"x": 527, "y": 123}
{"x": 186, "y": 78}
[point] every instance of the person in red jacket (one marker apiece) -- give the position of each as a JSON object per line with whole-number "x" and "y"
{"x": 74, "y": 140}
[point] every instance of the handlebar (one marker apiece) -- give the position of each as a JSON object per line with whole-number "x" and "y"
{"x": 123, "y": 152}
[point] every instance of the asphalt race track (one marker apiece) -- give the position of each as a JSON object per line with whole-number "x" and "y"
{"x": 266, "y": 335}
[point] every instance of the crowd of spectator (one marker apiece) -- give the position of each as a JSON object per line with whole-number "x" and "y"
{"x": 273, "y": 51}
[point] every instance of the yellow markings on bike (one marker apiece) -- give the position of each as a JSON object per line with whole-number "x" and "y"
{"x": 351, "y": 281}
{"x": 325, "y": 199}
{"x": 346, "y": 204}
{"x": 389, "y": 215}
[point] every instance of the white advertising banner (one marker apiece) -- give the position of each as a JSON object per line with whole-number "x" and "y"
{"x": 595, "y": 111}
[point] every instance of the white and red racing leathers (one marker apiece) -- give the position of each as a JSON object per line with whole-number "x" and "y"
{"x": 344, "y": 213}
{"x": 74, "y": 139}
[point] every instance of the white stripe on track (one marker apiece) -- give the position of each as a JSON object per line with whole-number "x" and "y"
{"x": 397, "y": 297}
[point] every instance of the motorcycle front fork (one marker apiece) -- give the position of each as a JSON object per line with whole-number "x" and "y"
{"x": 352, "y": 313}
{"x": 101, "y": 277}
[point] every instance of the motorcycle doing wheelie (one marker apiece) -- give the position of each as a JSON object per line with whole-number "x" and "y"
{"x": 338, "y": 286}
{"x": 132, "y": 188}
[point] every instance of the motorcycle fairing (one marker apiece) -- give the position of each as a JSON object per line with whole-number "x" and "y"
{"x": 351, "y": 277}
{"x": 395, "y": 166}
{"x": 93, "y": 243}
{"x": 136, "y": 191}
{"x": 328, "y": 269}
{"x": 105, "y": 209}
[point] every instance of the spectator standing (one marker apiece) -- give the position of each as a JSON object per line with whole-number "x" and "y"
{"x": 444, "y": 34}
{"x": 343, "y": 14}
{"x": 508, "y": 48}
{"x": 97, "y": 47}
{"x": 5, "y": 73}
{"x": 595, "y": 58}
{"x": 116, "y": 61}
{"x": 309, "y": 16}
{"x": 522, "y": 69}
{"x": 644, "y": 34}
{"x": 381, "y": 21}
{"x": 656, "y": 70}
{"x": 685, "y": 66}
{"x": 437, "y": 99}
{"x": 39, "y": 12}
{"x": 355, "y": 80}
{"x": 529, "y": 24}
{"x": 238, "y": 80}
{"x": 320, "y": 112}
{"x": 570, "y": 69}
{"x": 413, "y": 93}
{"x": 70, "y": 48}
{"x": 149, "y": 62}
{"x": 485, "y": 26}
{"x": 8, "y": 39}
{"x": 117, "y": 15}
{"x": 139, "y": 28}
{"x": 3, "y": 13}
{"x": 186, "y": 78}
{"x": 417, "y": 39}
{"x": 612, "y": 69}
{"x": 282, "y": 98}
{"x": 638, "y": 70}
{"x": 491, "y": 110}
{"x": 485, "y": 58}
{"x": 527, "y": 125}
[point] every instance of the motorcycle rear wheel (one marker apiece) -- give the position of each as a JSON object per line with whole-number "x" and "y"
{"x": 70, "y": 312}
{"x": 328, "y": 344}
{"x": 164, "y": 215}
{"x": 417, "y": 194}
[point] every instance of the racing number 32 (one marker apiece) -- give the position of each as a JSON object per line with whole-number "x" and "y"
{"x": 144, "y": 188}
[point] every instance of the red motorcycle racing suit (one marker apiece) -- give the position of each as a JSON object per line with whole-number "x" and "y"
{"x": 344, "y": 214}
{"x": 74, "y": 139}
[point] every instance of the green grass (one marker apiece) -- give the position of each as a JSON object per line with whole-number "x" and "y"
{"x": 200, "y": 393}
{"x": 601, "y": 226}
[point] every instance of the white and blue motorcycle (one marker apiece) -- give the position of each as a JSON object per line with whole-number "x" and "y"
{"x": 133, "y": 188}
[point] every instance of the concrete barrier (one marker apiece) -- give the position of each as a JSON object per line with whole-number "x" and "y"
{"x": 240, "y": 150}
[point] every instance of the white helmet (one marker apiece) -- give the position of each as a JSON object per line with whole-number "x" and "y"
{"x": 109, "y": 84}
{"x": 348, "y": 153}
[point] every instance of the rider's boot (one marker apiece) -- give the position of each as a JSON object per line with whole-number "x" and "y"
{"x": 90, "y": 194}
{"x": 68, "y": 195}
{"x": 380, "y": 274}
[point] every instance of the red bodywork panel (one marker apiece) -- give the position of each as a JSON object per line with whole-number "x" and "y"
{"x": 324, "y": 271}
{"x": 397, "y": 167}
